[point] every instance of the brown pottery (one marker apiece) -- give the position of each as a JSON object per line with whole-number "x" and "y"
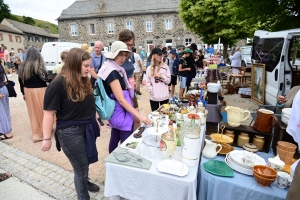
{"x": 264, "y": 121}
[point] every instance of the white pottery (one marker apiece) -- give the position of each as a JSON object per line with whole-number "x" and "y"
{"x": 209, "y": 150}
{"x": 190, "y": 149}
{"x": 276, "y": 163}
{"x": 285, "y": 116}
{"x": 283, "y": 180}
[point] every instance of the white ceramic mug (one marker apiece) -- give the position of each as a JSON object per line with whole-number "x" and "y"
{"x": 283, "y": 180}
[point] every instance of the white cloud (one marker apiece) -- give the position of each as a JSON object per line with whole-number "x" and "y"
{"x": 47, "y": 10}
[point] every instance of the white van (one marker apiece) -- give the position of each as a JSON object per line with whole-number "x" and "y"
{"x": 51, "y": 52}
{"x": 278, "y": 51}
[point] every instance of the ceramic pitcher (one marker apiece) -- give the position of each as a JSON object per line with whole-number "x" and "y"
{"x": 264, "y": 121}
{"x": 209, "y": 150}
{"x": 236, "y": 115}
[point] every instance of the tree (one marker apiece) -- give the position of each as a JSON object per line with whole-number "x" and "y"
{"x": 212, "y": 20}
{"x": 4, "y": 11}
{"x": 273, "y": 15}
{"x": 28, "y": 20}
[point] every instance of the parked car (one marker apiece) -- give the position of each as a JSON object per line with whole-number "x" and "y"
{"x": 246, "y": 56}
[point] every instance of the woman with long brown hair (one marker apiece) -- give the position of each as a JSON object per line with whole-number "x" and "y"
{"x": 33, "y": 77}
{"x": 158, "y": 77}
{"x": 70, "y": 96}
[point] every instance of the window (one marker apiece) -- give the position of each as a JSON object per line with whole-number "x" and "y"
{"x": 1, "y": 37}
{"x": 188, "y": 41}
{"x": 37, "y": 39}
{"x": 110, "y": 27}
{"x": 44, "y": 39}
{"x": 168, "y": 24}
{"x": 148, "y": 26}
{"x": 10, "y": 38}
{"x": 129, "y": 25}
{"x": 30, "y": 38}
{"x": 73, "y": 30}
{"x": 18, "y": 39}
{"x": 92, "y": 29}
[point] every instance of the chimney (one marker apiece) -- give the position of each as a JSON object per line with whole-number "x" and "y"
{"x": 101, "y": 3}
{"x": 47, "y": 29}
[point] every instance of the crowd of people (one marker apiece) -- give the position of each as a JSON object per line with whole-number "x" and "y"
{"x": 65, "y": 99}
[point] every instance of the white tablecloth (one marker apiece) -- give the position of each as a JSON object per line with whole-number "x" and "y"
{"x": 139, "y": 184}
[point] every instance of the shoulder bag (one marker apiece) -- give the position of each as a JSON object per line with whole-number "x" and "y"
{"x": 105, "y": 106}
{"x": 10, "y": 86}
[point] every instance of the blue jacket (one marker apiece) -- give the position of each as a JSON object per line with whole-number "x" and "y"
{"x": 92, "y": 132}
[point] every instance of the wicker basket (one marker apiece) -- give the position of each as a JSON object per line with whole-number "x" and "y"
{"x": 285, "y": 156}
{"x": 287, "y": 146}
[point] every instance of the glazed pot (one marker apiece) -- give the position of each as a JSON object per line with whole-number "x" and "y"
{"x": 264, "y": 121}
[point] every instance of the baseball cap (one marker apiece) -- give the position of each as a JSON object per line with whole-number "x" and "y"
{"x": 157, "y": 51}
{"x": 173, "y": 51}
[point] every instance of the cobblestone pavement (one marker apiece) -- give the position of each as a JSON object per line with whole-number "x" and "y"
{"x": 44, "y": 176}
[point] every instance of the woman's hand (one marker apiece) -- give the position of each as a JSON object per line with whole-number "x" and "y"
{"x": 144, "y": 119}
{"x": 281, "y": 99}
{"x": 46, "y": 145}
{"x": 157, "y": 75}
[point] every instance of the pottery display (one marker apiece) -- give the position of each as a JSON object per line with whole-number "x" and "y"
{"x": 236, "y": 115}
{"x": 243, "y": 138}
{"x": 264, "y": 121}
{"x": 259, "y": 142}
{"x": 210, "y": 149}
{"x": 276, "y": 163}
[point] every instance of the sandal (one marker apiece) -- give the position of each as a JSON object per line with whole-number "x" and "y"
{"x": 4, "y": 176}
{"x": 5, "y": 137}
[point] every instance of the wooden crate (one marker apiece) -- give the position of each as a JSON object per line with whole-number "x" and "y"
{"x": 251, "y": 132}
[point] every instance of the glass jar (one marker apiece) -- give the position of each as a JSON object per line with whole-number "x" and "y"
{"x": 243, "y": 138}
{"x": 259, "y": 141}
{"x": 230, "y": 134}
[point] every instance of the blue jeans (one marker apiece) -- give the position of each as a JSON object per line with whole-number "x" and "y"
{"x": 72, "y": 141}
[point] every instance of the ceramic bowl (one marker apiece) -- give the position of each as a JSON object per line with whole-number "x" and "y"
{"x": 265, "y": 171}
{"x": 262, "y": 181}
{"x": 155, "y": 113}
{"x": 226, "y": 148}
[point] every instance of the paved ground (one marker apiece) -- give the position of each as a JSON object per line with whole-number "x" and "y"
{"x": 34, "y": 178}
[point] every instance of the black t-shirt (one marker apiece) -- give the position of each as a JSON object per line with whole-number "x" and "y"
{"x": 184, "y": 66}
{"x": 111, "y": 77}
{"x": 56, "y": 98}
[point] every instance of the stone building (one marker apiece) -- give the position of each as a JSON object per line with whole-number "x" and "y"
{"x": 32, "y": 35}
{"x": 11, "y": 38}
{"x": 153, "y": 22}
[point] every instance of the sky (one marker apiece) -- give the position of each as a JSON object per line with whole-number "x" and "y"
{"x": 47, "y": 10}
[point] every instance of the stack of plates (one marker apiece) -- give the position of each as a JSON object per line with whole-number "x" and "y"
{"x": 234, "y": 160}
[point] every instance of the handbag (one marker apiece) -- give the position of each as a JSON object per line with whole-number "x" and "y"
{"x": 105, "y": 106}
{"x": 10, "y": 86}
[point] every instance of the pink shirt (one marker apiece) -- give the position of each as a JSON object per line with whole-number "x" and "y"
{"x": 6, "y": 56}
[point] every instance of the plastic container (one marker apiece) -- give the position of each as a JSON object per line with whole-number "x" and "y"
{"x": 213, "y": 87}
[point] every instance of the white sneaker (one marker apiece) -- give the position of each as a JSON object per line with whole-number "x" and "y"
{"x": 9, "y": 75}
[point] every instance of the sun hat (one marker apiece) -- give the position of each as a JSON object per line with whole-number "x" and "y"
{"x": 157, "y": 51}
{"x": 188, "y": 50}
{"x": 116, "y": 47}
{"x": 86, "y": 47}
{"x": 12, "y": 51}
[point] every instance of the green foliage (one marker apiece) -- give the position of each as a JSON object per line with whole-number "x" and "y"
{"x": 4, "y": 11}
{"x": 272, "y": 15}
{"x": 211, "y": 20}
{"x": 28, "y": 20}
{"x": 39, "y": 23}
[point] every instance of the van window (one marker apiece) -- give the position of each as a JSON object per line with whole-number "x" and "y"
{"x": 267, "y": 51}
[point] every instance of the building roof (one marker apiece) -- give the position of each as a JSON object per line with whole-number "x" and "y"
{"x": 91, "y": 8}
{"x": 26, "y": 28}
{"x": 9, "y": 30}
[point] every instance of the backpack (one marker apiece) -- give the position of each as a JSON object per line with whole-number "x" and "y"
{"x": 105, "y": 106}
{"x": 175, "y": 66}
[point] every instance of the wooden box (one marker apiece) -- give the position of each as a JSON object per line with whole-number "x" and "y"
{"x": 251, "y": 132}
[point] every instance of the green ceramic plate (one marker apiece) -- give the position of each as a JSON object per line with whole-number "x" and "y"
{"x": 218, "y": 168}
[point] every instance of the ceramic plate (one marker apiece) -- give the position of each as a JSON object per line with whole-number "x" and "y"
{"x": 132, "y": 144}
{"x": 218, "y": 168}
{"x": 226, "y": 148}
{"x": 237, "y": 167}
{"x": 152, "y": 130}
{"x": 150, "y": 140}
{"x": 237, "y": 155}
{"x": 173, "y": 167}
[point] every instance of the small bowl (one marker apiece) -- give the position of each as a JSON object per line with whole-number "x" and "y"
{"x": 262, "y": 181}
{"x": 264, "y": 171}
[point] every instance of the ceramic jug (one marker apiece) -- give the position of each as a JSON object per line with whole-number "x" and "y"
{"x": 264, "y": 121}
{"x": 209, "y": 150}
{"x": 168, "y": 142}
{"x": 236, "y": 115}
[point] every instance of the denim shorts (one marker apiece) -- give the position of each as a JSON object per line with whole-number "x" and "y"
{"x": 183, "y": 81}
{"x": 8, "y": 64}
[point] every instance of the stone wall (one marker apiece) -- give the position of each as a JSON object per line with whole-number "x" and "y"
{"x": 178, "y": 33}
